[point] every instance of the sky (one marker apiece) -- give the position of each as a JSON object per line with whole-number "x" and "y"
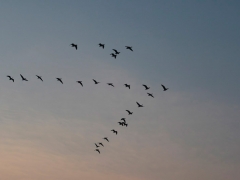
{"x": 48, "y": 129}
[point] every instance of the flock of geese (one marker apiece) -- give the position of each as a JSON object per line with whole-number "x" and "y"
{"x": 123, "y": 120}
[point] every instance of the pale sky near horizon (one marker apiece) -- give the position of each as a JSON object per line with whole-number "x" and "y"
{"x": 48, "y": 129}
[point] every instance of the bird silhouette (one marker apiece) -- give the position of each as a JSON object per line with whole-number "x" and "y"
{"x": 120, "y": 123}
{"x": 124, "y": 124}
{"x": 97, "y": 150}
{"x": 124, "y": 120}
{"x": 101, "y": 45}
{"x": 60, "y": 80}
{"x": 95, "y": 81}
{"x": 23, "y": 78}
{"x": 80, "y": 82}
{"x": 113, "y": 55}
{"x": 97, "y": 145}
{"x": 106, "y": 139}
{"x": 110, "y": 84}
{"x": 146, "y": 87}
{"x": 129, "y": 112}
{"x": 164, "y": 88}
{"x": 129, "y": 47}
{"x": 39, "y": 77}
{"x": 74, "y": 45}
{"x": 139, "y": 105}
{"x": 101, "y": 144}
{"x": 149, "y": 94}
{"x": 116, "y": 52}
{"x": 114, "y": 131}
{"x": 10, "y": 78}
{"x": 127, "y": 85}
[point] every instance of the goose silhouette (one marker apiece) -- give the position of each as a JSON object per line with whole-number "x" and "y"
{"x": 10, "y": 78}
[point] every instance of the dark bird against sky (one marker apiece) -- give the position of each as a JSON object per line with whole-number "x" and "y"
{"x": 116, "y": 52}
{"x": 101, "y": 45}
{"x": 80, "y": 82}
{"x": 110, "y": 84}
{"x": 113, "y": 55}
{"x": 114, "y": 131}
{"x": 60, "y": 80}
{"x": 39, "y": 77}
{"x": 101, "y": 144}
{"x": 97, "y": 150}
{"x": 129, "y": 47}
{"x": 97, "y": 145}
{"x": 127, "y": 85}
{"x": 164, "y": 88}
{"x": 106, "y": 139}
{"x": 10, "y": 78}
{"x": 74, "y": 45}
{"x": 96, "y": 82}
{"x": 139, "y": 105}
{"x": 124, "y": 120}
{"x": 149, "y": 94}
{"x": 23, "y": 78}
{"x": 146, "y": 87}
{"x": 129, "y": 112}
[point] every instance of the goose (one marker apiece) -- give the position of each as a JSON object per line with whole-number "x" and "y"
{"x": 164, "y": 88}
{"x": 129, "y": 112}
{"x": 129, "y": 47}
{"x": 23, "y": 78}
{"x": 106, "y": 139}
{"x": 101, "y": 45}
{"x": 139, "y": 105}
{"x": 146, "y": 87}
{"x": 39, "y": 77}
{"x": 97, "y": 150}
{"x": 116, "y": 52}
{"x": 80, "y": 82}
{"x": 74, "y": 45}
{"x": 127, "y": 85}
{"x": 149, "y": 94}
{"x": 10, "y": 78}
{"x": 60, "y": 80}
{"x": 95, "y": 81}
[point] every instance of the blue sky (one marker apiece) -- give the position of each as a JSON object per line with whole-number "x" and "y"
{"x": 190, "y": 46}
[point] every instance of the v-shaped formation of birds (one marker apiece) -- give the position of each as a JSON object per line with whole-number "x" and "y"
{"x": 122, "y": 122}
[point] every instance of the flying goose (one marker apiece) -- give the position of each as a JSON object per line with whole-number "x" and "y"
{"x": 23, "y": 78}
{"x": 113, "y": 55}
{"x": 106, "y": 139}
{"x": 80, "y": 82}
{"x": 95, "y": 81}
{"x": 101, "y": 45}
{"x": 139, "y": 105}
{"x": 114, "y": 131}
{"x": 146, "y": 87}
{"x": 60, "y": 80}
{"x": 10, "y": 78}
{"x": 149, "y": 94}
{"x": 164, "y": 88}
{"x": 74, "y": 45}
{"x": 129, "y": 112}
{"x": 116, "y": 52}
{"x": 129, "y": 47}
{"x": 39, "y": 77}
{"x": 127, "y": 85}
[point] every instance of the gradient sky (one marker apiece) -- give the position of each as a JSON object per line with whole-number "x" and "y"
{"x": 48, "y": 129}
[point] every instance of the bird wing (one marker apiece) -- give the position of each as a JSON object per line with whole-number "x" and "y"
{"x": 21, "y": 76}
